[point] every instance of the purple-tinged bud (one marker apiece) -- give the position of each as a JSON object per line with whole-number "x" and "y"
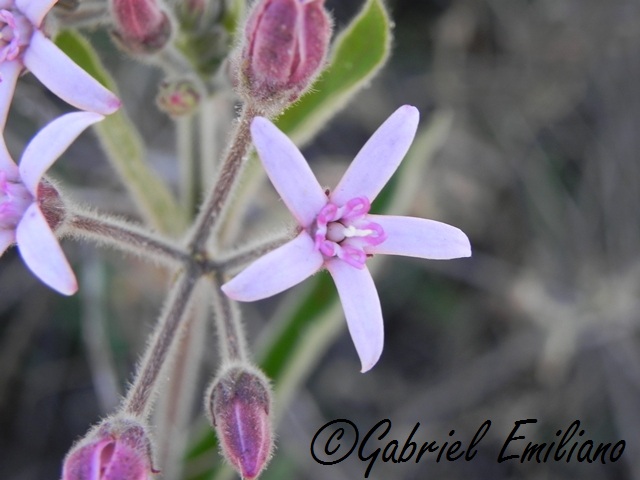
{"x": 178, "y": 97}
{"x": 51, "y": 205}
{"x": 285, "y": 46}
{"x": 117, "y": 449}
{"x": 142, "y": 26}
{"x": 239, "y": 405}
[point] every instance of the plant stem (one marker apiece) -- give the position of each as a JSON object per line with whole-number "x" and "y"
{"x": 239, "y": 259}
{"x": 230, "y": 334}
{"x": 217, "y": 199}
{"x": 125, "y": 237}
{"x": 139, "y": 399}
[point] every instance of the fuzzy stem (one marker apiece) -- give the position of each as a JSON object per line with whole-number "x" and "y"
{"x": 215, "y": 202}
{"x": 241, "y": 258}
{"x": 230, "y": 332}
{"x": 139, "y": 399}
{"x": 174, "y": 410}
{"x": 124, "y": 237}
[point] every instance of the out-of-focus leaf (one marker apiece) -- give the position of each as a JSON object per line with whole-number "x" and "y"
{"x": 309, "y": 325}
{"x": 233, "y": 15}
{"x": 124, "y": 147}
{"x": 358, "y": 54}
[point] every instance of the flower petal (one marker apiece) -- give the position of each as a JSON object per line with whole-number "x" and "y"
{"x": 7, "y": 165}
{"x": 35, "y": 10}
{"x": 418, "y": 237}
{"x": 49, "y": 143}
{"x": 41, "y": 252}
{"x": 289, "y": 171}
{"x": 9, "y": 72}
{"x": 7, "y": 237}
{"x": 66, "y": 79}
{"x": 276, "y": 271}
{"x": 362, "y": 310}
{"x": 379, "y": 157}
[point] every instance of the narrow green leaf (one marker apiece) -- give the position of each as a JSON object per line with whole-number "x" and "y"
{"x": 124, "y": 147}
{"x": 358, "y": 54}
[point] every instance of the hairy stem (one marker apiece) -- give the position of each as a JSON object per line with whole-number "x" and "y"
{"x": 230, "y": 333}
{"x": 125, "y": 237}
{"x": 215, "y": 202}
{"x": 139, "y": 399}
{"x": 247, "y": 255}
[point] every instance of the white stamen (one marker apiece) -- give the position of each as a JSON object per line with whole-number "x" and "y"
{"x": 352, "y": 231}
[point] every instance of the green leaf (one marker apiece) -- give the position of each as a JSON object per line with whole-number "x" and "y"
{"x": 313, "y": 320}
{"x": 124, "y": 146}
{"x": 358, "y": 54}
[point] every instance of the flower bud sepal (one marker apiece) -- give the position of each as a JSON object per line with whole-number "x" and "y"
{"x": 239, "y": 405}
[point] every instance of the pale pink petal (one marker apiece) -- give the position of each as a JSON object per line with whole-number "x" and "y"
{"x": 9, "y": 72}
{"x": 41, "y": 252}
{"x": 35, "y": 10}
{"x": 276, "y": 271}
{"x": 7, "y": 165}
{"x": 362, "y": 310}
{"x": 49, "y": 143}
{"x": 289, "y": 171}
{"x": 7, "y": 237}
{"x": 66, "y": 79}
{"x": 379, "y": 157}
{"x": 417, "y": 237}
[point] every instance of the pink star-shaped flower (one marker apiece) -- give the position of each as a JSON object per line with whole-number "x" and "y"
{"x": 28, "y": 206}
{"x": 22, "y": 43}
{"x": 337, "y": 230}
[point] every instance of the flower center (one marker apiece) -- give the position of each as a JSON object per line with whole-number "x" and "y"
{"x": 15, "y": 32}
{"x": 345, "y": 231}
{"x": 14, "y": 201}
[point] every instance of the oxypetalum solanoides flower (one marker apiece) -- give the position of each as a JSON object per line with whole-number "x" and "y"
{"x": 337, "y": 230}
{"x": 30, "y": 207}
{"x": 23, "y": 44}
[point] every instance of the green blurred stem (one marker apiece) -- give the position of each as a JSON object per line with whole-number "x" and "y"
{"x": 188, "y": 154}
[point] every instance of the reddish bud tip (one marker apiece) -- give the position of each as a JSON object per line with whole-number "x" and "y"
{"x": 239, "y": 404}
{"x": 142, "y": 27}
{"x": 51, "y": 205}
{"x": 118, "y": 449}
{"x": 285, "y": 45}
{"x": 178, "y": 97}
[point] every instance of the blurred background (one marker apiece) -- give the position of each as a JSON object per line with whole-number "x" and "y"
{"x": 539, "y": 168}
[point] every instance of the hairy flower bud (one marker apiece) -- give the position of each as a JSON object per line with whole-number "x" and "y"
{"x": 178, "y": 97}
{"x": 117, "y": 449}
{"x": 285, "y": 46}
{"x": 239, "y": 405}
{"x": 51, "y": 205}
{"x": 142, "y": 27}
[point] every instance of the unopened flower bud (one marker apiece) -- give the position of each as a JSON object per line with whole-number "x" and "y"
{"x": 239, "y": 405}
{"x": 117, "y": 449}
{"x": 51, "y": 205}
{"x": 285, "y": 46}
{"x": 142, "y": 27}
{"x": 178, "y": 97}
